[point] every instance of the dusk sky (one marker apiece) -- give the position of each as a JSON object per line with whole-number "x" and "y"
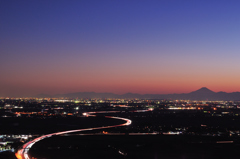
{"x": 118, "y": 46}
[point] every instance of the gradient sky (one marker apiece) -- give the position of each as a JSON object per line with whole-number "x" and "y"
{"x": 119, "y": 46}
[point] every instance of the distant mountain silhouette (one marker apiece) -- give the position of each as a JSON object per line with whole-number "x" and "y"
{"x": 200, "y": 94}
{"x": 44, "y": 96}
{"x": 203, "y": 90}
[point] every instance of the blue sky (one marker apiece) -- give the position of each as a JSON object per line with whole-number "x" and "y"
{"x": 166, "y": 46}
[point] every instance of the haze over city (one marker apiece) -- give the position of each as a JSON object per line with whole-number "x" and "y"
{"x": 156, "y": 47}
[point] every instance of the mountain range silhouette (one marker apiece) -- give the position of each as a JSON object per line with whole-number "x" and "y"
{"x": 200, "y": 94}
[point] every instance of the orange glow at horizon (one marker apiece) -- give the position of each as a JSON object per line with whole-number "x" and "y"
{"x": 147, "y": 82}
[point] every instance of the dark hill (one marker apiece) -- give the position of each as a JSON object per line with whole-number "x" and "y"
{"x": 200, "y": 94}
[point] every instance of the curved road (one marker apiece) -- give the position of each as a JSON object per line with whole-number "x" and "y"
{"x": 23, "y": 153}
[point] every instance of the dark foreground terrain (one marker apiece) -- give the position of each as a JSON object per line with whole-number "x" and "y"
{"x": 135, "y": 147}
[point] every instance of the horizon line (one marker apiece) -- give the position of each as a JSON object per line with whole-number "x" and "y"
{"x": 29, "y": 96}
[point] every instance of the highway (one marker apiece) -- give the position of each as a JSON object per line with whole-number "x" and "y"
{"x": 23, "y": 153}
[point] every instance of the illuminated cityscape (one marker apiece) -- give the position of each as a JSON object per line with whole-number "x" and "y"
{"x": 119, "y": 79}
{"x": 208, "y": 122}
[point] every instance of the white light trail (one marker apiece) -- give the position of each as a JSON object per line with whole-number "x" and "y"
{"x": 23, "y": 153}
